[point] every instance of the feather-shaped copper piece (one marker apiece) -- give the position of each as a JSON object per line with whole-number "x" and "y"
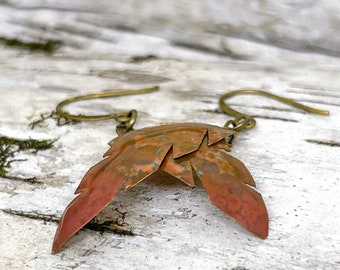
{"x": 185, "y": 151}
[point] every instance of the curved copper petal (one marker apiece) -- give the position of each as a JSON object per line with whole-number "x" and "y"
{"x": 179, "y": 168}
{"x": 225, "y": 179}
{"x": 92, "y": 199}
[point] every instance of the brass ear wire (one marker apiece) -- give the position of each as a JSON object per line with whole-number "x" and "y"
{"x": 126, "y": 119}
{"x": 116, "y": 116}
{"x": 243, "y": 121}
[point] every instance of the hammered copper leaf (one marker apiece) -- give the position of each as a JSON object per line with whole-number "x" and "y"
{"x": 182, "y": 150}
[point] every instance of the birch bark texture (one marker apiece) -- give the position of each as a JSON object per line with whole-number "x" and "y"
{"x": 195, "y": 52}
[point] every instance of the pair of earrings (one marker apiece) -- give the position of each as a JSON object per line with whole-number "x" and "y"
{"x": 187, "y": 151}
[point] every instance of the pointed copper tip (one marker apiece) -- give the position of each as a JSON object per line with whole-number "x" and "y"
{"x": 55, "y": 247}
{"x": 59, "y": 239}
{"x": 54, "y": 250}
{"x": 262, "y": 228}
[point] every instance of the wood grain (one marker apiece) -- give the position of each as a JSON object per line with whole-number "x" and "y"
{"x": 293, "y": 156}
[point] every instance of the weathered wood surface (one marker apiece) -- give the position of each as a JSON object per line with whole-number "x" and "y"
{"x": 293, "y": 156}
{"x": 216, "y": 25}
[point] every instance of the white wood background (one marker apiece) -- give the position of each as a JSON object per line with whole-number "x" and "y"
{"x": 293, "y": 156}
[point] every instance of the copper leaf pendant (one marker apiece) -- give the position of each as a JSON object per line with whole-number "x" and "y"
{"x": 182, "y": 150}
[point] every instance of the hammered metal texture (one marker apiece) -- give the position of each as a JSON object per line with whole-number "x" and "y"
{"x": 185, "y": 151}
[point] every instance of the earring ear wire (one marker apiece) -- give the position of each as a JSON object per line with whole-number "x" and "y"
{"x": 244, "y": 121}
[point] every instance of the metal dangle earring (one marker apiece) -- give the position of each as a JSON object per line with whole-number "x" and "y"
{"x": 187, "y": 151}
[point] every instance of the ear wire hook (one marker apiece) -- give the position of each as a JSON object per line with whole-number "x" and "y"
{"x": 126, "y": 119}
{"x": 244, "y": 121}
